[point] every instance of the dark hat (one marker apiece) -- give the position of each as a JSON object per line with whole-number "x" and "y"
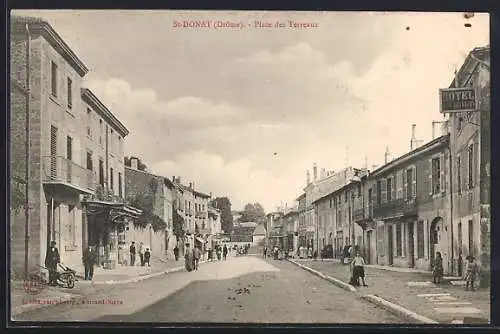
{"x": 52, "y": 242}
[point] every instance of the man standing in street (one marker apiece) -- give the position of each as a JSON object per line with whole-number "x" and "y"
{"x": 88, "y": 262}
{"x": 132, "y": 254}
{"x": 176, "y": 253}
{"x": 196, "y": 257}
{"x": 141, "y": 253}
{"x": 224, "y": 252}
{"x": 52, "y": 259}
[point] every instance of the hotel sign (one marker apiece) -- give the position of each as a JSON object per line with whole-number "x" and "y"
{"x": 454, "y": 100}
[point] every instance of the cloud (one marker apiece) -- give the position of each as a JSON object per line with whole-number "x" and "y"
{"x": 240, "y": 180}
{"x": 280, "y": 109}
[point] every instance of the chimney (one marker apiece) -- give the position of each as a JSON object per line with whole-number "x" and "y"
{"x": 190, "y": 185}
{"x": 134, "y": 163}
{"x": 413, "y": 141}
{"x": 323, "y": 173}
{"x": 366, "y": 162}
{"x": 308, "y": 175}
{"x": 315, "y": 171}
{"x": 179, "y": 180}
{"x": 173, "y": 178}
{"x": 210, "y": 194}
{"x": 387, "y": 154}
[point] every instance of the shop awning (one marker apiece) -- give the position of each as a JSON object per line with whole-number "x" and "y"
{"x": 115, "y": 210}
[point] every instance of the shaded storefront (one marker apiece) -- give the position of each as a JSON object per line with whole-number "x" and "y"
{"x": 105, "y": 228}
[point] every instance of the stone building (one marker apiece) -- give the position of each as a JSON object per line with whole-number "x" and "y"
{"x": 410, "y": 197}
{"x": 154, "y": 191}
{"x": 469, "y": 144}
{"x": 301, "y": 200}
{"x": 61, "y": 170}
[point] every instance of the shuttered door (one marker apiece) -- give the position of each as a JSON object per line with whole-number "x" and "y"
{"x": 414, "y": 183}
{"x": 69, "y": 156}
{"x": 53, "y": 152}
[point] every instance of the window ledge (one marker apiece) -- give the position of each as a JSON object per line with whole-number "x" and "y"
{"x": 54, "y": 99}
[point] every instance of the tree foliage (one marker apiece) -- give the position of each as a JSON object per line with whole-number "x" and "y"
{"x": 253, "y": 213}
{"x": 17, "y": 200}
{"x": 140, "y": 165}
{"x": 224, "y": 205}
{"x": 178, "y": 224}
{"x": 145, "y": 203}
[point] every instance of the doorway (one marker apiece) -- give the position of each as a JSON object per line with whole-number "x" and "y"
{"x": 411, "y": 246}
{"x": 369, "y": 247}
{"x": 390, "y": 248}
{"x": 438, "y": 239}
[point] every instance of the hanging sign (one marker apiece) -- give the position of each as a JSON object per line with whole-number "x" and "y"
{"x": 455, "y": 100}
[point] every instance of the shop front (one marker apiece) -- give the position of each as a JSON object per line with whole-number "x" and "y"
{"x": 104, "y": 230}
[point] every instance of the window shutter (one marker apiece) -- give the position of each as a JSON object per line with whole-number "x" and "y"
{"x": 414, "y": 181}
{"x": 394, "y": 185}
{"x": 374, "y": 193}
{"x": 399, "y": 184}
{"x": 383, "y": 184}
{"x": 431, "y": 172}
{"x": 405, "y": 185}
{"x": 442, "y": 176}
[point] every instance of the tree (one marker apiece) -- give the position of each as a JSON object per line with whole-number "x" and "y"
{"x": 224, "y": 205}
{"x": 140, "y": 165}
{"x": 178, "y": 225}
{"x": 145, "y": 203}
{"x": 253, "y": 213}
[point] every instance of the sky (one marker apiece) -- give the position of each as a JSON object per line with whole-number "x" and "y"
{"x": 244, "y": 112}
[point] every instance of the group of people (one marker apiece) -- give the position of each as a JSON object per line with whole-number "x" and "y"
{"x": 192, "y": 258}
{"x": 53, "y": 259}
{"x": 471, "y": 273}
{"x": 144, "y": 254}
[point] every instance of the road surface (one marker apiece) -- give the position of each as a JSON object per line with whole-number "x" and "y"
{"x": 242, "y": 289}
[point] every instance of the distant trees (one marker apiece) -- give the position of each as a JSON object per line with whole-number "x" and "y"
{"x": 224, "y": 205}
{"x": 253, "y": 213}
{"x": 140, "y": 165}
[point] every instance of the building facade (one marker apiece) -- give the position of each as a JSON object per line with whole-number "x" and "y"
{"x": 301, "y": 208}
{"x": 469, "y": 144}
{"x": 62, "y": 174}
{"x": 410, "y": 197}
{"x": 155, "y": 192}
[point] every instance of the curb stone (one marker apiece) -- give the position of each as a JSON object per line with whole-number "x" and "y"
{"x": 330, "y": 279}
{"x": 142, "y": 278}
{"x": 398, "y": 310}
{"x": 373, "y": 299}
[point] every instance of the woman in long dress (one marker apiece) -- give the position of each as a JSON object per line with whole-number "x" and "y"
{"x": 188, "y": 258}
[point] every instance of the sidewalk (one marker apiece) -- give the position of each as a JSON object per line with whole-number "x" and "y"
{"x": 414, "y": 290}
{"x": 22, "y": 301}
{"x": 127, "y": 274}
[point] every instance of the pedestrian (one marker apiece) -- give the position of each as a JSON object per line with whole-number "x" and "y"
{"x": 132, "y": 254}
{"x": 224, "y": 252}
{"x": 309, "y": 253}
{"x": 437, "y": 272}
{"x": 188, "y": 258}
{"x": 147, "y": 257}
{"x": 471, "y": 272}
{"x": 196, "y": 257}
{"x": 89, "y": 259}
{"x": 141, "y": 253}
{"x": 218, "y": 252}
{"x": 265, "y": 251}
{"x": 358, "y": 269}
{"x": 176, "y": 253}
{"x": 52, "y": 259}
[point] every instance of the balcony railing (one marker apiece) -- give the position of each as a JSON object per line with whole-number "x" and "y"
{"x": 201, "y": 214}
{"x": 395, "y": 208}
{"x": 57, "y": 169}
{"x": 363, "y": 213}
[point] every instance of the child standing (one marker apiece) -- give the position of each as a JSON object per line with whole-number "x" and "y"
{"x": 147, "y": 257}
{"x": 471, "y": 272}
